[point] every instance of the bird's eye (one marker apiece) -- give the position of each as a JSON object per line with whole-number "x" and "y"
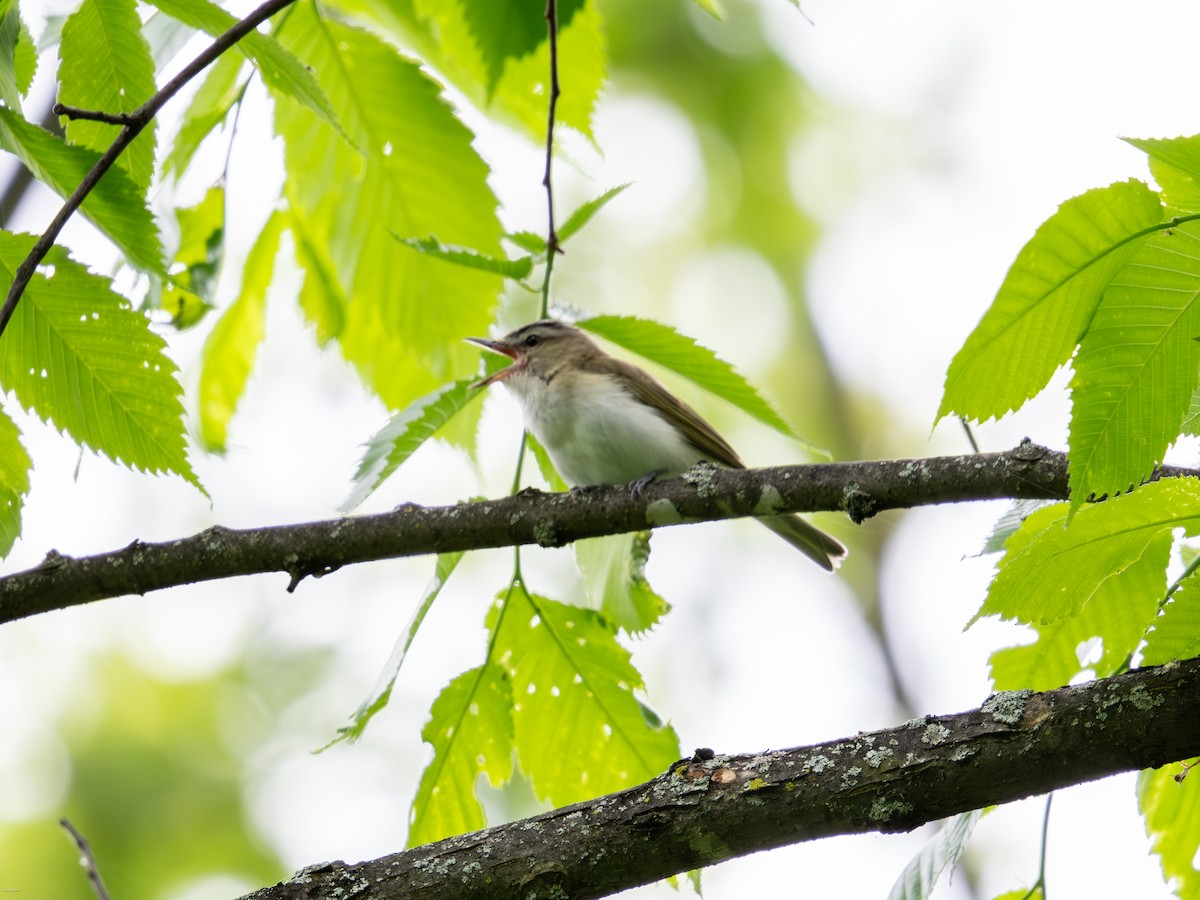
{"x": 532, "y": 341}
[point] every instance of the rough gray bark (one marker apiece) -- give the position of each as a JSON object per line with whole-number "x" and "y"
{"x": 860, "y": 489}
{"x": 703, "y": 811}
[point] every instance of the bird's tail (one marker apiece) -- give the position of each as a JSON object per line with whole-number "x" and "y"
{"x": 827, "y": 552}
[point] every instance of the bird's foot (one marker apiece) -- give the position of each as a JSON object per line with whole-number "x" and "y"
{"x": 636, "y": 488}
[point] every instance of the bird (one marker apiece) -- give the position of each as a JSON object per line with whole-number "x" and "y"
{"x": 604, "y": 421}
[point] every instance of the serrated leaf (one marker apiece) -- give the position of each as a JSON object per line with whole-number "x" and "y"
{"x": 229, "y": 352}
{"x": 382, "y": 691}
{"x": 78, "y": 356}
{"x": 116, "y": 206}
{"x": 405, "y": 313}
{"x": 468, "y": 258}
{"x": 585, "y": 212}
{"x": 18, "y": 60}
{"x": 105, "y": 64}
{"x": 580, "y": 730}
{"x": 527, "y": 241}
{"x": 406, "y": 431}
{"x": 1181, "y": 153}
{"x": 614, "y": 576}
{"x": 14, "y": 482}
{"x": 1109, "y": 627}
{"x": 1176, "y": 633}
{"x": 471, "y": 731}
{"x": 281, "y": 71}
{"x": 1006, "y": 526}
{"x": 511, "y": 29}
{"x": 1137, "y": 366}
{"x": 682, "y": 355}
{"x": 1052, "y": 571}
{"x": 209, "y": 107}
{"x": 1047, "y": 300}
{"x": 941, "y": 852}
{"x": 1171, "y": 810}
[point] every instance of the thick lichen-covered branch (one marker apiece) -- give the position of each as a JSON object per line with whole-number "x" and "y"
{"x": 860, "y": 489}
{"x": 715, "y": 807}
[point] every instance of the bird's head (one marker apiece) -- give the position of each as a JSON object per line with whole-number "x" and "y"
{"x": 538, "y": 348}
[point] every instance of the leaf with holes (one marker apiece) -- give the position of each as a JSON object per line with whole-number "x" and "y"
{"x": 471, "y": 731}
{"x": 77, "y": 355}
{"x": 580, "y": 728}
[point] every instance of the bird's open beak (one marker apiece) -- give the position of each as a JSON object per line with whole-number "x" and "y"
{"x": 496, "y": 347}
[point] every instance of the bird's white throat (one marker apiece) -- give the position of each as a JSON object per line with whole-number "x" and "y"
{"x": 596, "y": 432}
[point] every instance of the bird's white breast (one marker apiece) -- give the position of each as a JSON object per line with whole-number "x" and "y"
{"x": 598, "y": 433}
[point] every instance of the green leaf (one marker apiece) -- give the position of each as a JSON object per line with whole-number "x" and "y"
{"x": 528, "y": 241}
{"x": 1172, "y": 812}
{"x": 584, "y": 213}
{"x": 1112, "y": 622}
{"x": 281, "y": 71}
{"x": 201, "y": 250}
{"x": 405, "y": 313}
{"x": 14, "y": 482}
{"x": 1175, "y": 165}
{"x": 399, "y": 439}
{"x": 116, "y": 206}
{"x": 665, "y": 346}
{"x": 1176, "y": 633}
{"x": 1137, "y": 367}
{"x": 78, "y": 356}
{"x": 510, "y": 29}
{"x": 382, "y": 691}
{"x": 210, "y": 106}
{"x": 614, "y": 577}
{"x": 1006, "y": 526}
{"x": 580, "y": 729}
{"x": 105, "y": 64}
{"x": 471, "y": 731}
{"x": 1051, "y": 571}
{"x": 18, "y": 60}
{"x": 941, "y": 852}
{"x": 471, "y": 259}
{"x": 1047, "y": 300}
{"x": 712, "y": 7}
{"x": 229, "y": 352}
{"x": 322, "y": 297}
{"x": 1191, "y": 421}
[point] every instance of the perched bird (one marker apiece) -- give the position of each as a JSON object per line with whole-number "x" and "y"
{"x": 605, "y": 421}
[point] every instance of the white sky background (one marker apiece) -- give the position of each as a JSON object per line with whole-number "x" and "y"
{"x": 970, "y": 123}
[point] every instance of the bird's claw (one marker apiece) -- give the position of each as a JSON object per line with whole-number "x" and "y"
{"x": 636, "y": 488}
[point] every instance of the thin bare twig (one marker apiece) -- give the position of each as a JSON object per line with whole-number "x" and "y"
{"x": 132, "y": 125}
{"x": 552, "y": 35}
{"x": 86, "y": 859}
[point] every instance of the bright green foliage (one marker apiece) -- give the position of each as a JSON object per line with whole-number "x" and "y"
{"x": 1176, "y": 633}
{"x": 14, "y": 482}
{"x": 439, "y": 32}
{"x": 382, "y": 691}
{"x": 415, "y": 172}
{"x": 940, "y": 853}
{"x": 399, "y": 439}
{"x": 322, "y": 297}
{"x": 116, "y": 206}
{"x": 580, "y": 729}
{"x": 105, "y": 65}
{"x": 584, "y": 213}
{"x": 1117, "y": 615}
{"x": 614, "y": 577}
{"x": 232, "y": 344}
{"x": 1047, "y": 300}
{"x": 280, "y": 70}
{"x": 511, "y": 29}
{"x": 18, "y": 61}
{"x": 78, "y": 356}
{"x": 463, "y": 256}
{"x": 197, "y": 262}
{"x": 210, "y": 106}
{"x": 471, "y": 731}
{"x": 668, "y": 348}
{"x": 1137, "y": 366}
{"x": 1035, "y": 893}
{"x": 1052, "y": 571}
{"x": 1172, "y": 812}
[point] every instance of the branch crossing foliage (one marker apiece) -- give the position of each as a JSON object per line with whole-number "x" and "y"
{"x": 387, "y": 213}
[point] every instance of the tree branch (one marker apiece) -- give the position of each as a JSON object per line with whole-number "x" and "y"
{"x": 861, "y": 489}
{"x": 703, "y": 811}
{"x": 132, "y": 125}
